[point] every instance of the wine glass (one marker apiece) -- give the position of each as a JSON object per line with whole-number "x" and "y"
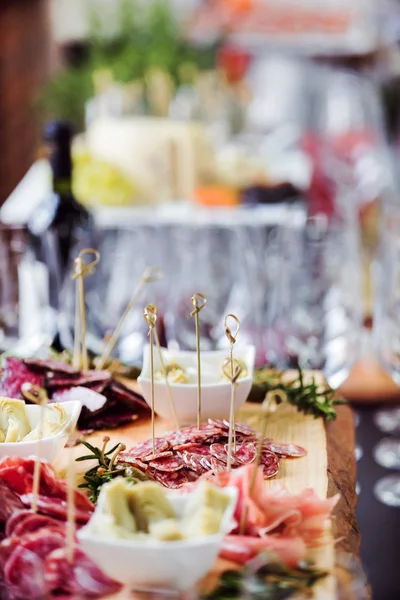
{"x": 125, "y": 254}
{"x": 315, "y": 315}
{"x": 387, "y": 343}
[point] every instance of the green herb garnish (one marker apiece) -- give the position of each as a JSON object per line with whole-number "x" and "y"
{"x": 311, "y": 398}
{"x": 267, "y": 578}
{"x": 105, "y": 469}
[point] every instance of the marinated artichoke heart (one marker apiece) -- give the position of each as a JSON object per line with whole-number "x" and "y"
{"x": 175, "y": 374}
{"x": 14, "y": 423}
{"x": 242, "y": 363}
{"x": 55, "y": 419}
{"x": 15, "y": 426}
{"x": 143, "y": 511}
{"x": 204, "y": 511}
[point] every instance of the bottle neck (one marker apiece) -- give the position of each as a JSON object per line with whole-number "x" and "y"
{"x": 61, "y": 167}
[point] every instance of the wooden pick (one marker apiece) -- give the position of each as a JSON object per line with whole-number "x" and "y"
{"x": 232, "y": 340}
{"x": 151, "y": 274}
{"x": 236, "y": 373}
{"x": 82, "y": 270}
{"x": 71, "y": 522}
{"x": 150, "y": 316}
{"x": 152, "y": 308}
{"x": 266, "y": 407}
{"x": 197, "y": 306}
{"x": 38, "y": 396}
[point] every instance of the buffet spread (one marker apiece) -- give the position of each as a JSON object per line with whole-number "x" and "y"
{"x": 105, "y": 493}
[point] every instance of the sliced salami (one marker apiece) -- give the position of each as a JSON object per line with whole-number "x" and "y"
{"x": 241, "y": 428}
{"x": 217, "y": 465}
{"x": 287, "y": 450}
{"x": 34, "y": 522}
{"x": 158, "y": 455}
{"x": 24, "y": 576}
{"x": 10, "y": 502}
{"x": 143, "y": 449}
{"x": 245, "y": 453}
{"x": 223, "y": 425}
{"x": 270, "y": 470}
{"x": 81, "y": 578}
{"x": 167, "y": 464}
{"x": 219, "y": 451}
{"x": 17, "y": 517}
{"x": 172, "y": 480}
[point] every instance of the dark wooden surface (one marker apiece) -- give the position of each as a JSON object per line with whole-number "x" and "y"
{"x": 342, "y": 475}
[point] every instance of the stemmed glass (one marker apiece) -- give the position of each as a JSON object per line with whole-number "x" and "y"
{"x": 387, "y": 342}
{"x": 125, "y": 254}
{"x": 315, "y": 316}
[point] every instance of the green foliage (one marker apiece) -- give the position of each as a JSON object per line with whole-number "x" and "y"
{"x": 147, "y": 37}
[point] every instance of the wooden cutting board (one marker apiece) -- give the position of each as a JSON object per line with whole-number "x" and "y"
{"x": 284, "y": 425}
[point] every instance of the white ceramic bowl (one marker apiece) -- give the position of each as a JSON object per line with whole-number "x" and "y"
{"x": 50, "y": 446}
{"x": 153, "y": 564}
{"x": 215, "y": 391}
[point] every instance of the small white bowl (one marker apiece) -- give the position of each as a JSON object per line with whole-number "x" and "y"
{"x": 152, "y": 564}
{"x": 215, "y": 391}
{"x": 50, "y": 446}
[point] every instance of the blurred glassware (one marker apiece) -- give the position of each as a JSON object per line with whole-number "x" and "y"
{"x": 26, "y": 321}
{"x": 387, "y": 490}
{"x": 387, "y": 342}
{"x": 125, "y": 254}
{"x": 349, "y": 121}
{"x": 314, "y": 318}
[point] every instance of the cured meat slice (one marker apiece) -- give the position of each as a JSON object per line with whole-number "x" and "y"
{"x": 270, "y": 470}
{"x": 16, "y": 373}
{"x": 59, "y": 366}
{"x": 55, "y": 507}
{"x": 144, "y": 449}
{"x": 121, "y": 393}
{"x": 205, "y": 462}
{"x": 217, "y": 465}
{"x": 287, "y": 450}
{"x": 24, "y": 576}
{"x": 16, "y": 518}
{"x": 167, "y": 464}
{"x": 172, "y": 480}
{"x": 219, "y": 452}
{"x": 55, "y": 380}
{"x": 135, "y": 462}
{"x": 268, "y": 457}
{"x": 242, "y": 429}
{"x": 81, "y": 577}
{"x": 245, "y": 453}
{"x": 33, "y": 522}
{"x": 10, "y": 502}
{"x": 222, "y": 425}
{"x": 158, "y": 455}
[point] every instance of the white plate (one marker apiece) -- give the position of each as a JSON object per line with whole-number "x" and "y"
{"x": 50, "y": 446}
{"x": 215, "y": 391}
{"x": 152, "y": 564}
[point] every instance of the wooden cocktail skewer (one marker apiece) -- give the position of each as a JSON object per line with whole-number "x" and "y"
{"x": 37, "y": 395}
{"x": 232, "y": 340}
{"x": 152, "y": 308}
{"x": 267, "y": 407}
{"x": 71, "y": 483}
{"x": 195, "y": 313}
{"x": 233, "y": 377}
{"x": 151, "y": 274}
{"x": 82, "y": 270}
{"x": 151, "y": 317}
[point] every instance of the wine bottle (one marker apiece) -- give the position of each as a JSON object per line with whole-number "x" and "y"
{"x": 60, "y": 223}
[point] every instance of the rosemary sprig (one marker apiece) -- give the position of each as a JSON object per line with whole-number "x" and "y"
{"x": 311, "y": 398}
{"x": 105, "y": 470}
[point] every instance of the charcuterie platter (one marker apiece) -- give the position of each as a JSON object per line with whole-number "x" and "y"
{"x": 286, "y": 424}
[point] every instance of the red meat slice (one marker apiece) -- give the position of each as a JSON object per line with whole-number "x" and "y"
{"x": 167, "y": 464}
{"x": 81, "y": 577}
{"x": 145, "y": 449}
{"x": 56, "y": 507}
{"x": 172, "y": 480}
{"x": 51, "y": 365}
{"x": 9, "y": 502}
{"x": 17, "y": 517}
{"x": 24, "y": 576}
{"x": 16, "y": 373}
{"x": 287, "y": 450}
